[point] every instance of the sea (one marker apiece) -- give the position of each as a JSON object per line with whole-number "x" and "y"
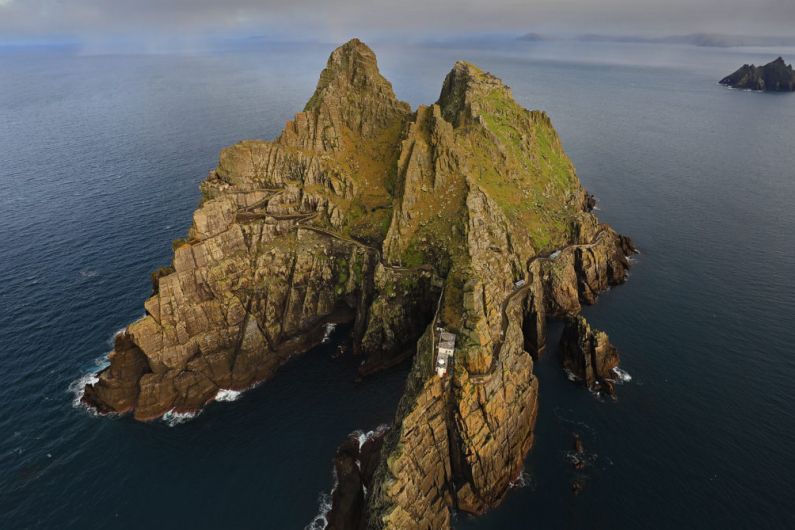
{"x": 101, "y": 155}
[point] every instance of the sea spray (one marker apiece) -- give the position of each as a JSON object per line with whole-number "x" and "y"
{"x": 327, "y": 331}
{"x": 173, "y": 418}
{"x": 320, "y": 521}
{"x": 224, "y": 394}
{"x": 78, "y": 387}
{"x": 622, "y": 375}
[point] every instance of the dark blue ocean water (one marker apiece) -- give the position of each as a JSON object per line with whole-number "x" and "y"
{"x": 100, "y": 159}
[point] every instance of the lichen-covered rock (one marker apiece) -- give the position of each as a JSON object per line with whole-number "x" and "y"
{"x": 588, "y": 355}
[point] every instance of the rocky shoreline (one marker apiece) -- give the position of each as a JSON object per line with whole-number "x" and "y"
{"x": 464, "y": 217}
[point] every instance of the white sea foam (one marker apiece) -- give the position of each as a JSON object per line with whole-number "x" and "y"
{"x": 320, "y": 521}
{"x": 522, "y": 480}
{"x": 173, "y": 418}
{"x": 588, "y": 459}
{"x": 362, "y": 436}
{"x": 88, "y": 273}
{"x": 78, "y": 387}
{"x": 112, "y": 339}
{"x": 571, "y": 376}
{"x": 329, "y": 329}
{"x": 623, "y": 375}
{"x": 224, "y": 394}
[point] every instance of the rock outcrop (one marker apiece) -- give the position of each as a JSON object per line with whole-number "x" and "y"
{"x": 588, "y": 356}
{"x": 464, "y": 216}
{"x": 776, "y": 76}
{"x": 354, "y": 465}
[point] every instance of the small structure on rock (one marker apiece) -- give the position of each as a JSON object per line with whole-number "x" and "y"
{"x": 444, "y": 351}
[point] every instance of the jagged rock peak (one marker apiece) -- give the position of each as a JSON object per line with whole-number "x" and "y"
{"x": 351, "y": 67}
{"x": 351, "y": 97}
{"x": 465, "y": 84}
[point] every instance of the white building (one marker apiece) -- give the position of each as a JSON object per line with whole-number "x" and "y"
{"x": 444, "y": 352}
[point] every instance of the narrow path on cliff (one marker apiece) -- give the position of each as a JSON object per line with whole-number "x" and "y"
{"x": 480, "y": 377}
{"x": 250, "y": 213}
{"x": 301, "y": 223}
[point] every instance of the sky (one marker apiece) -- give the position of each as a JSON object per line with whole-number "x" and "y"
{"x": 337, "y": 20}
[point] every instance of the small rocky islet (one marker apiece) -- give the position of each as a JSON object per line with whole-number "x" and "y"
{"x": 461, "y": 224}
{"x": 775, "y": 76}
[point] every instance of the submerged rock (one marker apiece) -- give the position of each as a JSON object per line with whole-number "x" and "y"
{"x": 588, "y": 354}
{"x": 776, "y": 76}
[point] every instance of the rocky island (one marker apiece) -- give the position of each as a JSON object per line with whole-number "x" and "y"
{"x": 776, "y": 76}
{"x": 447, "y": 235}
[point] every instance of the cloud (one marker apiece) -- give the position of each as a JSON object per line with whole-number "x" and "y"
{"x": 338, "y": 19}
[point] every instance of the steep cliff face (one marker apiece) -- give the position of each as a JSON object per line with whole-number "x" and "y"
{"x": 775, "y": 76}
{"x": 286, "y": 239}
{"x": 464, "y": 217}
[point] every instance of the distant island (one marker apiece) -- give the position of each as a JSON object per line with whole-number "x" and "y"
{"x": 776, "y": 76}
{"x": 706, "y": 40}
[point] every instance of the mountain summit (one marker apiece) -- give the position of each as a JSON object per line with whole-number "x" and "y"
{"x": 447, "y": 235}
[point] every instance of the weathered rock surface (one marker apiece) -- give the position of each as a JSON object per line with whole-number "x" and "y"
{"x": 465, "y": 215}
{"x": 588, "y": 355}
{"x": 775, "y": 76}
{"x": 281, "y": 244}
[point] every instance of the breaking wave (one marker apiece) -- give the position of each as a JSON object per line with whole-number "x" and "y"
{"x": 523, "y": 480}
{"x": 224, "y": 394}
{"x": 173, "y": 418}
{"x": 78, "y": 387}
{"x": 112, "y": 338}
{"x": 328, "y": 330}
{"x": 622, "y": 375}
{"x": 320, "y": 521}
{"x": 362, "y": 436}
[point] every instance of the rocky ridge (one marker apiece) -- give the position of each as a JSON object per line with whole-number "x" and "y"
{"x": 775, "y": 76}
{"x": 465, "y": 215}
